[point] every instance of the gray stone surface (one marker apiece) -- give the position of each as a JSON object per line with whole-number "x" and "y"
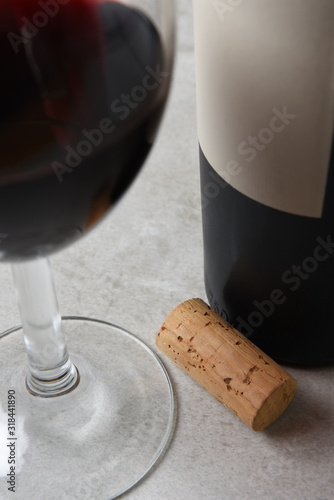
{"x": 143, "y": 260}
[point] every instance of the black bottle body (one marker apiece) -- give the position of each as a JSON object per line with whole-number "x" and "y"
{"x": 270, "y": 273}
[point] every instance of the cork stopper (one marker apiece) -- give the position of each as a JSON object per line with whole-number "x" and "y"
{"x": 230, "y": 367}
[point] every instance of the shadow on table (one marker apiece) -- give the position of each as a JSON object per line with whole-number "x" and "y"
{"x": 311, "y": 412}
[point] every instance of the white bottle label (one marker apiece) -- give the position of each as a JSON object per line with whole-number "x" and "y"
{"x": 265, "y": 97}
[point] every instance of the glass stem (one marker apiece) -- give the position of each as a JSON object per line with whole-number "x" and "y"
{"x": 51, "y": 372}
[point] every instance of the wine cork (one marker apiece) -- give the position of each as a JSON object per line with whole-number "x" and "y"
{"x": 230, "y": 367}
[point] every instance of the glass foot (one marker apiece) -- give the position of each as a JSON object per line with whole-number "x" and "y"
{"x": 97, "y": 441}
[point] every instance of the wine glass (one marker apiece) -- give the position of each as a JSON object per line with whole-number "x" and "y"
{"x": 87, "y": 408}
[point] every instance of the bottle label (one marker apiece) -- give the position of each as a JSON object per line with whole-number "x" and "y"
{"x": 265, "y": 97}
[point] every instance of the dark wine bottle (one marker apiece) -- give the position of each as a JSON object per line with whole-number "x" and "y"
{"x": 265, "y": 124}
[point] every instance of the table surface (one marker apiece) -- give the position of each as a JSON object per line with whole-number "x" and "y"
{"x": 141, "y": 262}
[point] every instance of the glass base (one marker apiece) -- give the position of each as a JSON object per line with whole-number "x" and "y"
{"x": 95, "y": 442}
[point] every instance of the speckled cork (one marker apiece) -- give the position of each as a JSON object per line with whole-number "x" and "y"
{"x": 230, "y": 367}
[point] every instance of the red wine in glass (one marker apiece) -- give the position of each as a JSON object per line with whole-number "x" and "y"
{"x": 82, "y": 90}
{"x": 81, "y": 99}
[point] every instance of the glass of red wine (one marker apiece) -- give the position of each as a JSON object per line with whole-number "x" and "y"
{"x": 82, "y": 91}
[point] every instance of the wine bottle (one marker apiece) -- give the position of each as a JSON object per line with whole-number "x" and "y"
{"x": 265, "y": 107}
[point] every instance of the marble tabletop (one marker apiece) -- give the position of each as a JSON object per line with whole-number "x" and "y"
{"x": 141, "y": 262}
